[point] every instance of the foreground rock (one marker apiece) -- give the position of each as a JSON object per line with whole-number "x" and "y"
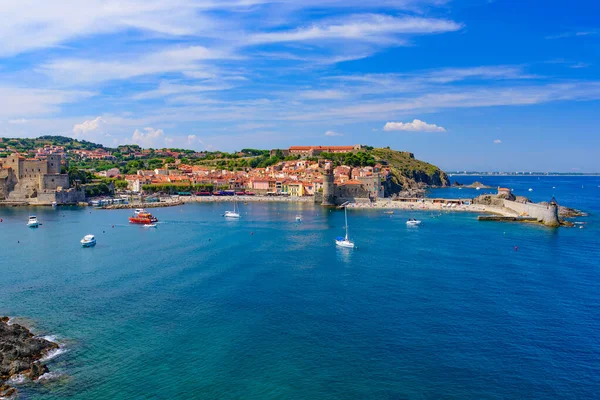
{"x": 20, "y": 352}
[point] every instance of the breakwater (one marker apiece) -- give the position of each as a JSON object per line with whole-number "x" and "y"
{"x": 545, "y": 214}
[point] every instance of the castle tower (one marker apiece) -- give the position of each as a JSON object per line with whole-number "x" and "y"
{"x": 53, "y": 161}
{"x": 328, "y": 188}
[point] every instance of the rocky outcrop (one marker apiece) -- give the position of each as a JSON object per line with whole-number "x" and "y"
{"x": 20, "y": 353}
{"x": 473, "y": 185}
{"x": 408, "y": 173}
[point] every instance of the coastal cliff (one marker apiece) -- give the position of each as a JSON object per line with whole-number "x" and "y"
{"x": 409, "y": 175}
{"x": 20, "y": 353}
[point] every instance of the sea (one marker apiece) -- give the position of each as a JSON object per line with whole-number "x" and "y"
{"x": 268, "y": 308}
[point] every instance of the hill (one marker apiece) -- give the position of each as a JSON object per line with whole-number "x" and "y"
{"x": 408, "y": 172}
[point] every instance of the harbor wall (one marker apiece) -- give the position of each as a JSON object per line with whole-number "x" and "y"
{"x": 547, "y": 214}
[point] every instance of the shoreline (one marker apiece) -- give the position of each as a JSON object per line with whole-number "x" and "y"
{"x": 23, "y": 355}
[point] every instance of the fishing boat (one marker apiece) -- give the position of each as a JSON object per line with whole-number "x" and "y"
{"x": 235, "y": 213}
{"x": 413, "y": 222}
{"x": 88, "y": 241}
{"x": 298, "y": 218}
{"x": 143, "y": 218}
{"x": 344, "y": 241}
{"x": 33, "y": 222}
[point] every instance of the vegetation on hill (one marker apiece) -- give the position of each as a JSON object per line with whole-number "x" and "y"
{"x": 408, "y": 172}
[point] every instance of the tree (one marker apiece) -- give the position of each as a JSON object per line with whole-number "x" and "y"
{"x": 121, "y": 184}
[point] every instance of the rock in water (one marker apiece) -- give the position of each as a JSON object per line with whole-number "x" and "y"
{"x": 20, "y": 352}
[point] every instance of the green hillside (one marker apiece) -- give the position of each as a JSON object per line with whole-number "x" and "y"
{"x": 408, "y": 172}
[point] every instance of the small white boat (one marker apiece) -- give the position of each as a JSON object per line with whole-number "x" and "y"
{"x": 477, "y": 188}
{"x": 530, "y": 189}
{"x": 88, "y": 241}
{"x": 413, "y": 222}
{"x": 149, "y": 225}
{"x": 233, "y": 214}
{"x": 54, "y": 204}
{"x": 298, "y": 218}
{"x": 344, "y": 241}
{"x": 139, "y": 211}
{"x": 33, "y": 222}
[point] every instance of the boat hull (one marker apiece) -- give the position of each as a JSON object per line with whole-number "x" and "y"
{"x": 88, "y": 244}
{"x": 345, "y": 243}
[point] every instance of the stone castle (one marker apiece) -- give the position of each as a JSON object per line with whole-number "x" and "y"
{"x": 359, "y": 189}
{"x": 36, "y": 181}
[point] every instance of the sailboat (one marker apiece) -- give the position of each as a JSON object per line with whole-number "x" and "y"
{"x": 344, "y": 241}
{"x": 235, "y": 213}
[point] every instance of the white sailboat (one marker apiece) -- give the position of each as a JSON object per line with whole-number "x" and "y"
{"x": 235, "y": 213}
{"x": 344, "y": 241}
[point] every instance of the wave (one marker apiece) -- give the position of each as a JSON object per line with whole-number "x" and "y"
{"x": 53, "y": 354}
{"x": 50, "y": 338}
{"x": 50, "y": 376}
{"x": 18, "y": 379}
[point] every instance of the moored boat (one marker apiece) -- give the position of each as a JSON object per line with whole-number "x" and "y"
{"x": 413, "y": 222}
{"x": 345, "y": 241}
{"x": 88, "y": 241}
{"x": 33, "y": 222}
{"x": 144, "y": 218}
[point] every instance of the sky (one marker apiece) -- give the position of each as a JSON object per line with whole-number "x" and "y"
{"x": 496, "y": 85}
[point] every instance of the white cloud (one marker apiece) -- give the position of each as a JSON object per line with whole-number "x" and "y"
{"x": 19, "y": 101}
{"x": 168, "y": 89}
{"x": 333, "y": 133}
{"x": 326, "y": 94}
{"x": 497, "y": 141}
{"x": 191, "y": 139}
{"x": 364, "y": 27}
{"x": 416, "y": 126}
{"x": 19, "y": 121}
{"x": 150, "y": 137}
{"x": 177, "y": 59}
{"x": 86, "y": 127}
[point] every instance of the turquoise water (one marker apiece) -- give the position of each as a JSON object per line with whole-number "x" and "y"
{"x": 267, "y": 308}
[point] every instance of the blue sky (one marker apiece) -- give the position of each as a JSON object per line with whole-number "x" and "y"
{"x": 465, "y": 84}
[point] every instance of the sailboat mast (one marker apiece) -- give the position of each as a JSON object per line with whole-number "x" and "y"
{"x": 346, "y": 218}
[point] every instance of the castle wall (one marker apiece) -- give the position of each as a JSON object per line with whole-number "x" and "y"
{"x": 547, "y": 214}
{"x": 52, "y": 182}
{"x": 70, "y": 196}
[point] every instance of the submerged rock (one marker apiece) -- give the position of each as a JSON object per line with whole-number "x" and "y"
{"x": 20, "y": 352}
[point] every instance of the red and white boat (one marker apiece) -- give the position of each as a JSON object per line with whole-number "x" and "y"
{"x": 143, "y": 218}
